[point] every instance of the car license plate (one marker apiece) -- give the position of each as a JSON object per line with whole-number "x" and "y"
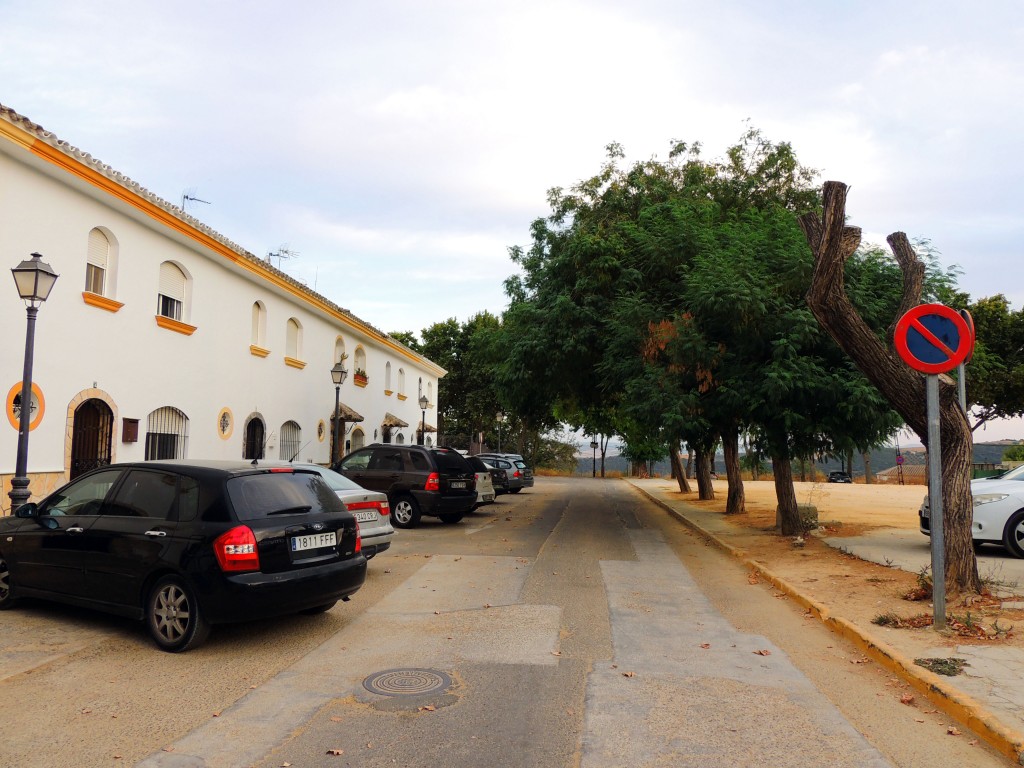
{"x": 314, "y": 541}
{"x": 368, "y": 516}
{"x": 458, "y": 483}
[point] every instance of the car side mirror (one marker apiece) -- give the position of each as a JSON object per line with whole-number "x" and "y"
{"x": 27, "y": 510}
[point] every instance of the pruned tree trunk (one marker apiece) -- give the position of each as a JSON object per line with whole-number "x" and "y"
{"x": 705, "y": 491}
{"x": 689, "y": 462}
{"x": 832, "y": 243}
{"x": 735, "y": 501}
{"x": 787, "y": 514}
{"x": 849, "y": 463}
{"x": 869, "y": 477}
{"x": 677, "y": 469}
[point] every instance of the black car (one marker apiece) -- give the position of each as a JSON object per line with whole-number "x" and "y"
{"x": 418, "y": 481}
{"x": 839, "y": 477}
{"x": 184, "y": 545}
{"x": 499, "y": 476}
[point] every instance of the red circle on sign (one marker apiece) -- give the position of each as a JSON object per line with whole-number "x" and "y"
{"x": 912, "y": 320}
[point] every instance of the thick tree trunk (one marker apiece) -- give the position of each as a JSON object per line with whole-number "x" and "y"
{"x": 689, "y": 462}
{"x": 705, "y": 491}
{"x": 803, "y": 470}
{"x": 787, "y": 515}
{"x": 736, "y": 500}
{"x": 677, "y": 469}
{"x": 849, "y": 463}
{"x": 832, "y": 243}
{"x": 869, "y": 478}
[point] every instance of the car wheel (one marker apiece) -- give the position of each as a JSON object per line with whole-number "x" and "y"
{"x": 319, "y": 609}
{"x": 6, "y": 601}
{"x": 1013, "y": 534}
{"x": 514, "y": 490}
{"x": 173, "y": 617}
{"x": 451, "y": 519}
{"x": 405, "y": 512}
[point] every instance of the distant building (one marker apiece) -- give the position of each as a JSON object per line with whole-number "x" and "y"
{"x": 164, "y": 339}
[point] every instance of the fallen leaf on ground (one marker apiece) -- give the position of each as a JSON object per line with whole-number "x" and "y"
{"x": 335, "y": 752}
{"x": 907, "y": 698}
{"x": 763, "y": 652}
{"x": 919, "y": 720}
{"x": 705, "y": 645}
{"x": 335, "y": 719}
{"x": 629, "y": 674}
{"x": 428, "y": 708}
{"x": 861, "y": 660}
{"x": 752, "y": 578}
{"x": 953, "y": 730}
{"x": 972, "y": 743}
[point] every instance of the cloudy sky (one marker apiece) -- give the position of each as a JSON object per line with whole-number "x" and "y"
{"x": 398, "y": 148}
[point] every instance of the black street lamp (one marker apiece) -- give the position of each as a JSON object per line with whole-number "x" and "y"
{"x": 35, "y": 279}
{"x": 593, "y": 444}
{"x": 423, "y": 425}
{"x": 338, "y": 374}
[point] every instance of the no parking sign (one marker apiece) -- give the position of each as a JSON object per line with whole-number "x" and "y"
{"x": 933, "y": 338}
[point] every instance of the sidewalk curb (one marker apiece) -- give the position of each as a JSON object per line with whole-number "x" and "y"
{"x": 958, "y": 705}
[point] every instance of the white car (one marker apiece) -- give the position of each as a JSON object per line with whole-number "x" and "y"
{"x": 370, "y": 508}
{"x": 998, "y": 516}
{"x": 485, "y": 492}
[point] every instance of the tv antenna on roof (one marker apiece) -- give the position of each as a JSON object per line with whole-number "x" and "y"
{"x": 283, "y": 252}
{"x": 189, "y": 196}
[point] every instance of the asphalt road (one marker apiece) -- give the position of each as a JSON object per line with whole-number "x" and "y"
{"x": 574, "y": 624}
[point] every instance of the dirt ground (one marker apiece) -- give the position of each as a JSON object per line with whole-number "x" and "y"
{"x": 855, "y": 589}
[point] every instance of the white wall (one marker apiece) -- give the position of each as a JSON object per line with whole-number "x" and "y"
{"x": 141, "y": 366}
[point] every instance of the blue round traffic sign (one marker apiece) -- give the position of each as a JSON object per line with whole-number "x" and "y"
{"x": 933, "y": 338}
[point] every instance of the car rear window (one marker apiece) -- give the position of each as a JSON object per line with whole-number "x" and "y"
{"x": 255, "y": 497}
{"x": 476, "y": 463}
{"x": 521, "y": 464}
{"x": 447, "y": 461}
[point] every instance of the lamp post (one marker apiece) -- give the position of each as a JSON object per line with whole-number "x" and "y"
{"x": 338, "y": 374}
{"x": 593, "y": 445}
{"x": 501, "y": 419}
{"x": 35, "y": 279}
{"x": 423, "y": 425}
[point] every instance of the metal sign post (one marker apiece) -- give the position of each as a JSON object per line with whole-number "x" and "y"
{"x": 934, "y": 339}
{"x": 938, "y": 542}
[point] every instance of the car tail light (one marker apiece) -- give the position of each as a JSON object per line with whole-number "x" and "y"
{"x": 359, "y": 539}
{"x": 236, "y": 550}
{"x": 433, "y": 482}
{"x": 516, "y": 474}
{"x": 381, "y": 506}
{"x": 384, "y": 508}
{"x": 282, "y": 469}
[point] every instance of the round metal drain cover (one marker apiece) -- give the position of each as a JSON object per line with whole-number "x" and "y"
{"x": 407, "y": 682}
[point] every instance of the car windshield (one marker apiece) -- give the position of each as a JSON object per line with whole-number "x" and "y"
{"x": 336, "y": 481}
{"x": 1017, "y": 473}
{"x": 255, "y": 497}
{"x": 449, "y": 461}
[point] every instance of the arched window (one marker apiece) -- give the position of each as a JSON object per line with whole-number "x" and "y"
{"x": 173, "y": 290}
{"x": 255, "y": 437}
{"x": 258, "y": 337}
{"x": 401, "y": 381}
{"x": 97, "y": 262}
{"x": 166, "y": 434}
{"x": 430, "y": 392}
{"x": 358, "y": 439}
{"x": 360, "y": 361}
{"x": 387, "y": 377}
{"x": 293, "y": 339}
{"x": 339, "y": 349}
{"x": 291, "y": 440}
{"x": 400, "y": 439}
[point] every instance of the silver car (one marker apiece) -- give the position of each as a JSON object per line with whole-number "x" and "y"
{"x": 370, "y": 508}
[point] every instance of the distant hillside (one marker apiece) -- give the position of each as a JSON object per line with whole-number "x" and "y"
{"x": 881, "y": 459}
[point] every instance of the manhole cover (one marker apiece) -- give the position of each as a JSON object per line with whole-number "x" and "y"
{"x": 407, "y": 682}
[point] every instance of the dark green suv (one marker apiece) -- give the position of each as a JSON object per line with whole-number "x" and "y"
{"x": 437, "y": 482}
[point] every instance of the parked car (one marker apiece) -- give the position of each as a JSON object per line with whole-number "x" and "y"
{"x": 998, "y": 516}
{"x": 417, "y": 480}
{"x": 839, "y": 477}
{"x": 184, "y": 545}
{"x": 499, "y": 477}
{"x": 370, "y": 508}
{"x": 485, "y": 492}
{"x": 520, "y": 475}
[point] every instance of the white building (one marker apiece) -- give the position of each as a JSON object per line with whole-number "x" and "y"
{"x": 163, "y": 339}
